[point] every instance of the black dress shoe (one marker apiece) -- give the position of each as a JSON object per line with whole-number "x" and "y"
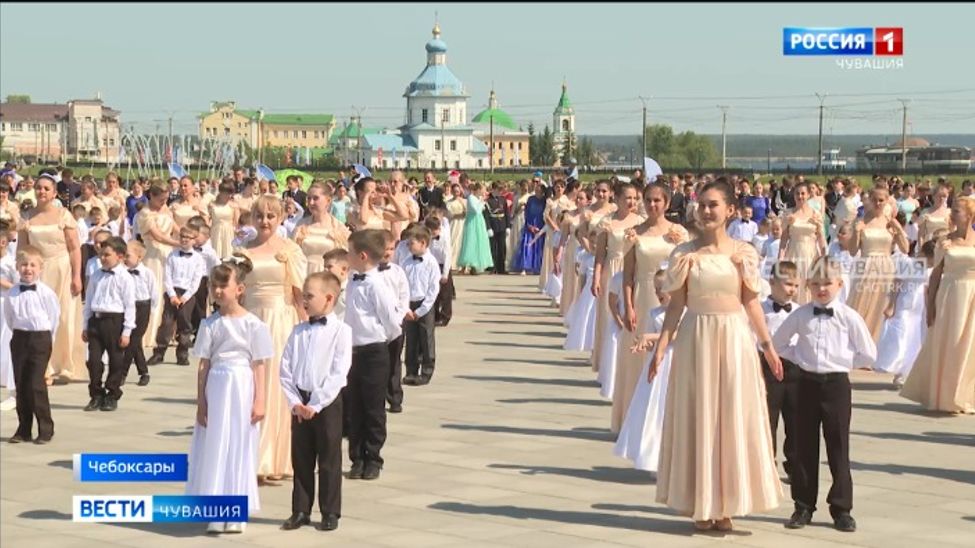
{"x": 295, "y": 521}
{"x": 395, "y": 408}
{"x": 800, "y": 518}
{"x": 845, "y": 523}
{"x": 356, "y": 471}
{"x": 371, "y": 472}
{"x": 143, "y": 380}
{"x": 156, "y": 359}
{"x": 94, "y": 403}
{"x": 43, "y": 440}
{"x": 329, "y": 523}
{"x": 409, "y": 380}
{"x": 109, "y": 404}
{"x": 182, "y": 361}
{"x": 17, "y": 438}
{"x": 423, "y": 380}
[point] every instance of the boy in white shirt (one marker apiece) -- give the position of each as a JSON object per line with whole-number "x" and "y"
{"x": 782, "y": 396}
{"x": 441, "y": 251}
{"x": 423, "y": 273}
{"x": 202, "y": 297}
{"x": 146, "y": 298}
{"x": 395, "y": 279}
{"x": 831, "y": 340}
{"x": 184, "y": 270}
{"x": 336, "y": 261}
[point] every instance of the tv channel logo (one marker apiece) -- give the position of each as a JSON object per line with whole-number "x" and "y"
{"x": 158, "y": 508}
{"x": 846, "y": 41}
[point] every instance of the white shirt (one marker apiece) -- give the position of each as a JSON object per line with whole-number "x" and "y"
{"x": 774, "y": 319}
{"x": 440, "y": 249}
{"x": 759, "y": 241}
{"x": 402, "y": 252}
{"x": 339, "y": 309}
{"x": 111, "y": 291}
{"x": 371, "y": 310}
{"x": 395, "y": 278}
{"x": 316, "y": 359}
{"x": 826, "y": 344}
{"x": 145, "y": 284}
{"x": 91, "y": 266}
{"x": 113, "y": 227}
{"x": 210, "y": 258}
{"x": 743, "y": 230}
{"x": 37, "y": 310}
{"x": 83, "y": 230}
{"x": 183, "y": 272}
{"x": 424, "y": 281}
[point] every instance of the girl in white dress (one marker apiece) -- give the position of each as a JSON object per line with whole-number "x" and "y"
{"x": 232, "y": 345}
{"x": 8, "y": 277}
{"x": 639, "y": 438}
{"x": 905, "y": 328}
{"x": 611, "y": 336}
{"x": 582, "y": 316}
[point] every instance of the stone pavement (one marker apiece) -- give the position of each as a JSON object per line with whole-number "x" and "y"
{"x": 509, "y": 446}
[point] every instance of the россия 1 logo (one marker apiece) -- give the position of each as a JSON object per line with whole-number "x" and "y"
{"x": 850, "y": 41}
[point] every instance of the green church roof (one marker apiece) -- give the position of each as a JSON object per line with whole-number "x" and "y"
{"x": 500, "y": 117}
{"x": 564, "y": 104}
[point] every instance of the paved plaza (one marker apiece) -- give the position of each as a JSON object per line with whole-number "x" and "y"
{"x": 509, "y": 446}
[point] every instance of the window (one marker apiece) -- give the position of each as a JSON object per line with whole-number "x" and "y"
{"x": 52, "y": 127}
{"x": 384, "y": 164}
{"x": 111, "y": 142}
{"x": 565, "y": 125}
{"x": 33, "y": 127}
{"x": 445, "y": 116}
{"x": 480, "y": 163}
{"x": 423, "y": 115}
{"x": 453, "y": 145}
{"x": 511, "y": 145}
{"x": 16, "y": 126}
{"x": 519, "y": 145}
{"x": 409, "y": 164}
{"x": 88, "y": 118}
{"x": 3, "y": 126}
{"x": 294, "y": 133}
{"x": 456, "y": 165}
{"x": 276, "y": 134}
{"x": 304, "y": 134}
{"x": 500, "y": 145}
{"x": 409, "y": 117}
{"x": 433, "y": 164}
{"x": 226, "y": 131}
{"x": 436, "y": 145}
{"x": 511, "y": 163}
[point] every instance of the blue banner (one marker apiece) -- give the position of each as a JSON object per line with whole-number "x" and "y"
{"x": 130, "y": 467}
{"x": 827, "y": 41}
{"x": 158, "y": 508}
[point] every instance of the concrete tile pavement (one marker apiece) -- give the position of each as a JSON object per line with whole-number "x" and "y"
{"x": 509, "y": 446}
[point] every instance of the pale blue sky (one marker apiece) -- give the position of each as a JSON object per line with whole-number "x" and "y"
{"x": 153, "y": 61}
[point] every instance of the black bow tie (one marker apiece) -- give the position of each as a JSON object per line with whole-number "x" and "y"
{"x": 321, "y": 320}
{"x": 780, "y": 307}
{"x": 108, "y": 271}
{"x": 358, "y": 277}
{"x": 418, "y": 257}
{"x": 185, "y": 253}
{"x": 134, "y": 271}
{"x": 436, "y": 238}
{"x": 198, "y": 248}
{"x": 382, "y": 268}
{"x": 826, "y": 311}
{"x": 31, "y": 287}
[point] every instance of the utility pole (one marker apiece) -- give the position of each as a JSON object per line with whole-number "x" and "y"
{"x": 443, "y": 144}
{"x": 724, "y": 136}
{"x": 819, "y": 159}
{"x": 643, "y": 132}
{"x": 904, "y": 136}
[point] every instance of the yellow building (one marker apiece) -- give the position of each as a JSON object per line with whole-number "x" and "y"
{"x": 510, "y": 144}
{"x": 263, "y": 129}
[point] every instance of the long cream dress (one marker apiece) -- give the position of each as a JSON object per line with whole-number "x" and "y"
{"x": 616, "y": 248}
{"x": 222, "y": 228}
{"x": 716, "y": 454}
{"x": 930, "y": 224}
{"x": 269, "y": 296}
{"x": 69, "y": 353}
{"x": 183, "y": 212}
{"x": 870, "y": 289}
{"x": 317, "y": 241}
{"x": 803, "y": 250}
{"x": 517, "y": 225}
{"x": 155, "y": 260}
{"x": 651, "y": 251}
{"x": 570, "y": 279}
{"x": 457, "y": 211}
{"x": 943, "y": 376}
{"x": 551, "y": 209}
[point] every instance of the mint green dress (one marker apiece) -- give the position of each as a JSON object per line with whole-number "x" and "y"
{"x": 475, "y": 251}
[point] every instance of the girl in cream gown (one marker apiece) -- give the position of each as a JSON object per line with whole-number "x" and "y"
{"x": 653, "y": 242}
{"x": 69, "y": 352}
{"x": 224, "y": 215}
{"x": 802, "y": 239}
{"x": 935, "y": 218}
{"x": 568, "y": 246}
{"x": 273, "y": 294}
{"x": 517, "y": 225}
{"x": 457, "y": 212}
{"x": 716, "y": 454}
{"x": 873, "y": 282}
{"x": 943, "y": 376}
{"x": 320, "y": 232}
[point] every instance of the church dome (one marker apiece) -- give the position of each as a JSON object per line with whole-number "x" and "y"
{"x": 436, "y": 45}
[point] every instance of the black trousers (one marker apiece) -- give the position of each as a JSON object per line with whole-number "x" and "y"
{"x": 135, "y": 352}
{"x": 783, "y": 399}
{"x": 87, "y": 252}
{"x": 365, "y": 397}
{"x": 317, "y": 442}
{"x": 394, "y": 389}
{"x": 200, "y": 299}
{"x": 103, "y": 337}
{"x": 421, "y": 343}
{"x": 824, "y": 400}
{"x": 30, "y": 352}
{"x": 444, "y": 305}
{"x": 178, "y": 321}
{"x": 499, "y": 246}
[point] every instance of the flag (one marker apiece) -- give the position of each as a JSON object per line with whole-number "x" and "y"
{"x": 264, "y": 173}
{"x": 176, "y": 170}
{"x": 651, "y": 169}
{"x": 394, "y": 157}
{"x": 362, "y": 170}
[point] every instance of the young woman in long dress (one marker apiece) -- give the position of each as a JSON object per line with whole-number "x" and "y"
{"x": 233, "y": 346}
{"x": 716, "y": 454}
{"x": 320, "y": 232}
{"x": 457, "y": 212}
{"x": 517, "y": 223}
{"x": 935, "y": 218}
{"x": 943, "y": 376}
{"x": 565, "y": 252}
{"x": 54, "y": 232}
{"x": 803, "y": 239}
{"x": 475, "y": 250}
{"x": 189, "y": 204}
{"x": 550, "y": 216}
{"x": 653, "y": 241}
{"x": 224, "y": 216}
{"x": 874, "y": 280}
{"x": 532, "y": 246}
{"x": 611, "y": 246}
{"x": 156, "y": 225}
{"x": 274, "y": 296}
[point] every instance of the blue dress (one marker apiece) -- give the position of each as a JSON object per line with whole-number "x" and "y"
{"x": 475, "y": 251}
{"x": 529, "y": 257}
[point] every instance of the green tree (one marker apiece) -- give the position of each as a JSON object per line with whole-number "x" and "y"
{"x": 532, "y": 145}
{"x": 570, "y": 149}
{"x": 546, "y": 148}
{"x": 19, "y": 99}
{"x": 586, "y": 153}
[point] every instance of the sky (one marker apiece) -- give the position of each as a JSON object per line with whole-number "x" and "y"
{"x": 157, "y": 61}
